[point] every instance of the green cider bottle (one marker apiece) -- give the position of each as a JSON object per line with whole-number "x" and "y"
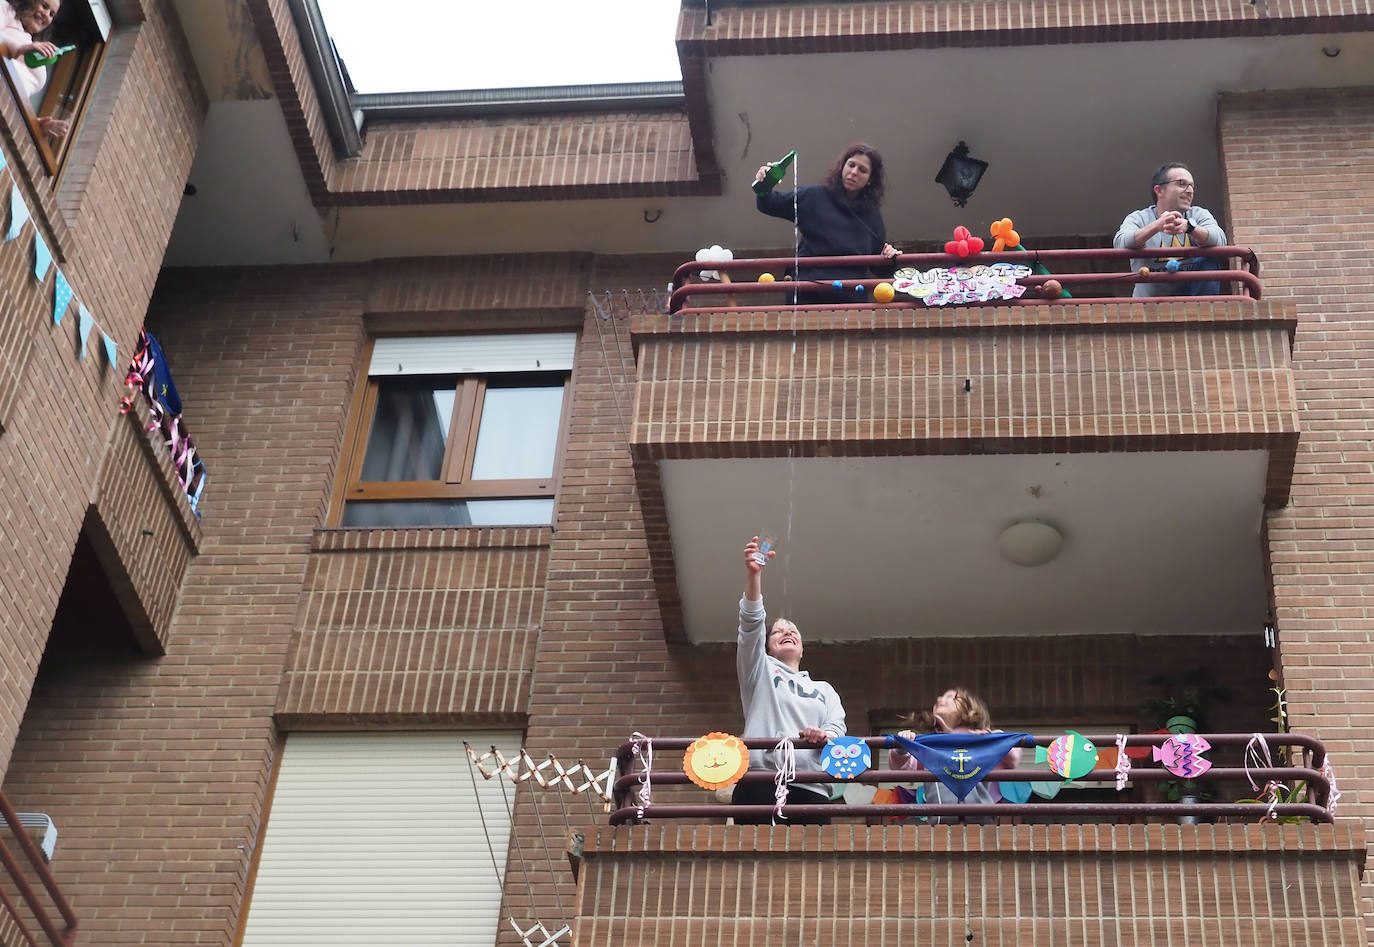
{"x": 774, "y": 174}
{"x": 33, "y": 58}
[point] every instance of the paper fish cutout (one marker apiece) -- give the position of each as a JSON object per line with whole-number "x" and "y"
{"x": 1071, "y": 755}
{"x": 1181, "y": 755}
{"x": 846, "y": 757}
{"x": 716, "y": 760}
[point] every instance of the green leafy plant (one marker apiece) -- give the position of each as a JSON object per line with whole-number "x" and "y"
{"x": 1175, "y": 789}
{"x": 1189, "y": 695}
{"x": 1283, "y": 794}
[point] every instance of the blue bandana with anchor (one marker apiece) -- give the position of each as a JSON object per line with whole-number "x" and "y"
{"x": 960, "y": 760}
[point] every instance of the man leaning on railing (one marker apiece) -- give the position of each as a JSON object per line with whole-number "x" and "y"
{"x": 1173, "y": 221}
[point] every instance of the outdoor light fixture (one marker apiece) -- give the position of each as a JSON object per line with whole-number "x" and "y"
{"x": 960, "y": 174}
{"x": 1030, "y": 543}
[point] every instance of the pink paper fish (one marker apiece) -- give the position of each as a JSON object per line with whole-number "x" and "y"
{"x": 1181, "y": 755}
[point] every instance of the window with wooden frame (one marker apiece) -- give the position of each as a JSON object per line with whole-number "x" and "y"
{"x": 54, "y": 97}
{"x": 457, "y": 431}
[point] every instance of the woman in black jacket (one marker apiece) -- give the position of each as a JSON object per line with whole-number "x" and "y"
{"x": 838, "y": 218}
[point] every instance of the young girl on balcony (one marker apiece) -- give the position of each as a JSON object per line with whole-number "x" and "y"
{"x": 957, "y": 710}
{"x": 22, "y": 23}
{"x": 838, "y": 218}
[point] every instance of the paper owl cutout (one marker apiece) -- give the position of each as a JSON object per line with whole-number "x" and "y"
{"x": 1181, "y": 755}
{"x": 846, "y": 757}
{"x": 716, "y": 760}
{"x": 1071, "y": 755}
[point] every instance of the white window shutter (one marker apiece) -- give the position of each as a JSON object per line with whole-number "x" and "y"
{"x": 473, "y": 354}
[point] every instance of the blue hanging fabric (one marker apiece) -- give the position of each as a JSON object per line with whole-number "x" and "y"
{"x": 961, "y": 760}
{"x": 163, "y": 388}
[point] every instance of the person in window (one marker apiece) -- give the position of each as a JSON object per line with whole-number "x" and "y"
{"x": 1173, "y": 221}
{"x": 957, "y": 710}
{"x": 838, "y": 218}
{"x": 22, "y": 23}
{"x": 780, "y": 699}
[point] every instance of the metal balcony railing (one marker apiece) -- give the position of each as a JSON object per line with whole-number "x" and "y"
{"x": 16, "y": 919}
{"x": 723, "y": 294}
{"x": 1313, "y": 774}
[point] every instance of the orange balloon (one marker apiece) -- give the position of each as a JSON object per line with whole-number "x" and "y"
{"x": 1051, "y": 289}
{"x": 765, "y": 277}
{"x": 884, "y": 292}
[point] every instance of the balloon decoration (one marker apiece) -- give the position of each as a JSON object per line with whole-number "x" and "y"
{"x": 766, "y": 277}
{"x": 846, "y": 757}
{"x": 1181, "y": 755}
{"x": 883, "y": 293}
{"x": 716, "y": 760}
{"x": 715, "y": 253}
{"x": 964, "y": 243}
{"x": 1004, "y": 236}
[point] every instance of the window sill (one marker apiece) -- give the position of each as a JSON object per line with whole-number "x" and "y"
{"x": 353, "y": 539}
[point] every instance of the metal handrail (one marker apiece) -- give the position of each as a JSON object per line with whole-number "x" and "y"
{"x": 683, "y": 290}
{"x": 1317, "y": 807}
{"x": 58, "y": 938}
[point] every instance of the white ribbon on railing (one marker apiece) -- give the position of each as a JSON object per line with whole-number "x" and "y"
{"x": 1257, "y": 753}
{"x": 1123, "y": 763}
{"x": 642, "y": 747}
{"x": 1333, "y": 795}
{"x": 787, "y": 771}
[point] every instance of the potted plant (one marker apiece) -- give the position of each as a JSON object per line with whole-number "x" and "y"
{"x": 1182, "y": 702}
{"x": 1180, "y": 706}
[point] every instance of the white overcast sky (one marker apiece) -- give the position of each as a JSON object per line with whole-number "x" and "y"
{"x": 422, "y": 45}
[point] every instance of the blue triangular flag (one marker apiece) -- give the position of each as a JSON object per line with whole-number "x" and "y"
{"x": 42, "y": 258}
{"x": 84, "y": 321}
{"x": 19, "y": 212}
{"x": 61, "y": 297}
{"x": 960, "y": 760}
{"x": 109, "y": 347}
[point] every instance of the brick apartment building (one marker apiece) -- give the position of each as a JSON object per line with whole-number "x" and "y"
{"x": 246, "y": 720}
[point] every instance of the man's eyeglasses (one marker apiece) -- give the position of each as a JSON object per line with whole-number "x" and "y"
{"x": 1182, "y": 184}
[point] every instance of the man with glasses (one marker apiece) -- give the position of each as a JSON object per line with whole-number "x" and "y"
{"x": 1173, "y": 221}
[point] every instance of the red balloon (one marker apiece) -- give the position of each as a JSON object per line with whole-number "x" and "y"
{"x": 951, "y": 246}
{"x": 961, "y": 233}
{"x": 975, "y": 244}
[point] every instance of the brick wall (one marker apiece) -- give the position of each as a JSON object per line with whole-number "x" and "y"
{"x": 57, "y": 412}
{"x": 1006, "y": 886}
{"x": 1323, "y": 143}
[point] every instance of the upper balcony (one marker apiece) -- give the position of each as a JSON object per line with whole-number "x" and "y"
{"x": 890, "y": 449}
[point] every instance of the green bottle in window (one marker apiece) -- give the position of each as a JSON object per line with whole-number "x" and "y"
{"x": 774, "y": 174}
{"x": 35, "y": 59}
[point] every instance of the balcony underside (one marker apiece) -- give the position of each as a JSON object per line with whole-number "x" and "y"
{"x": 888, "y": 454}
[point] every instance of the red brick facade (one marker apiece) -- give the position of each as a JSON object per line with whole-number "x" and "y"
{"x": 156, "y": 756}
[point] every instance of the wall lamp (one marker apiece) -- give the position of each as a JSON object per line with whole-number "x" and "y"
{"x": 960, "y": 174}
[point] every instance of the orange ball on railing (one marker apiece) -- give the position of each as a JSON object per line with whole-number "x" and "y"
{"x": 884, "y": 293}
{"x": 765, "y": 277}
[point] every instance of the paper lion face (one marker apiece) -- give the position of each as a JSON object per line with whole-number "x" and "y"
{"x": 846, "y": 757}
{"x": 716, "y": 760}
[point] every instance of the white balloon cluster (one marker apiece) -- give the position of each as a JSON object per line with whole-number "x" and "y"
{"x": 715, "y": 253}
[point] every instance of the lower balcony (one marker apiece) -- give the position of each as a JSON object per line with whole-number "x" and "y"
{"x": 33, "y": 910}
{"x": 1252, "y": 872}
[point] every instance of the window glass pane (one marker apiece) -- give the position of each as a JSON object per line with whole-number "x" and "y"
{"x": 518, "y": 436}
{"x": 396, "y": 513}
{"x": 410, "y": 428}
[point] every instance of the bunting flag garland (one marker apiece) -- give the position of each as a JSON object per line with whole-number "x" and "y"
{"x": 42, "y": 258}
{"x": 145, "y": 370}
{"x": 61, "y": 299}
{"x": 148, "y": 370}
{"x": 84, "y": 321}
{"x": 19, "y": 213}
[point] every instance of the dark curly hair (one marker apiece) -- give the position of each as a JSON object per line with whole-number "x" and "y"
{"x": 22, "y": 7}
{"x": 871, "y": 197}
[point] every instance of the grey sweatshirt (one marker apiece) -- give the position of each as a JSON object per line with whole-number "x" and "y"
{"x": 1125, "y": 239}
{"x": 778, "y": 701}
